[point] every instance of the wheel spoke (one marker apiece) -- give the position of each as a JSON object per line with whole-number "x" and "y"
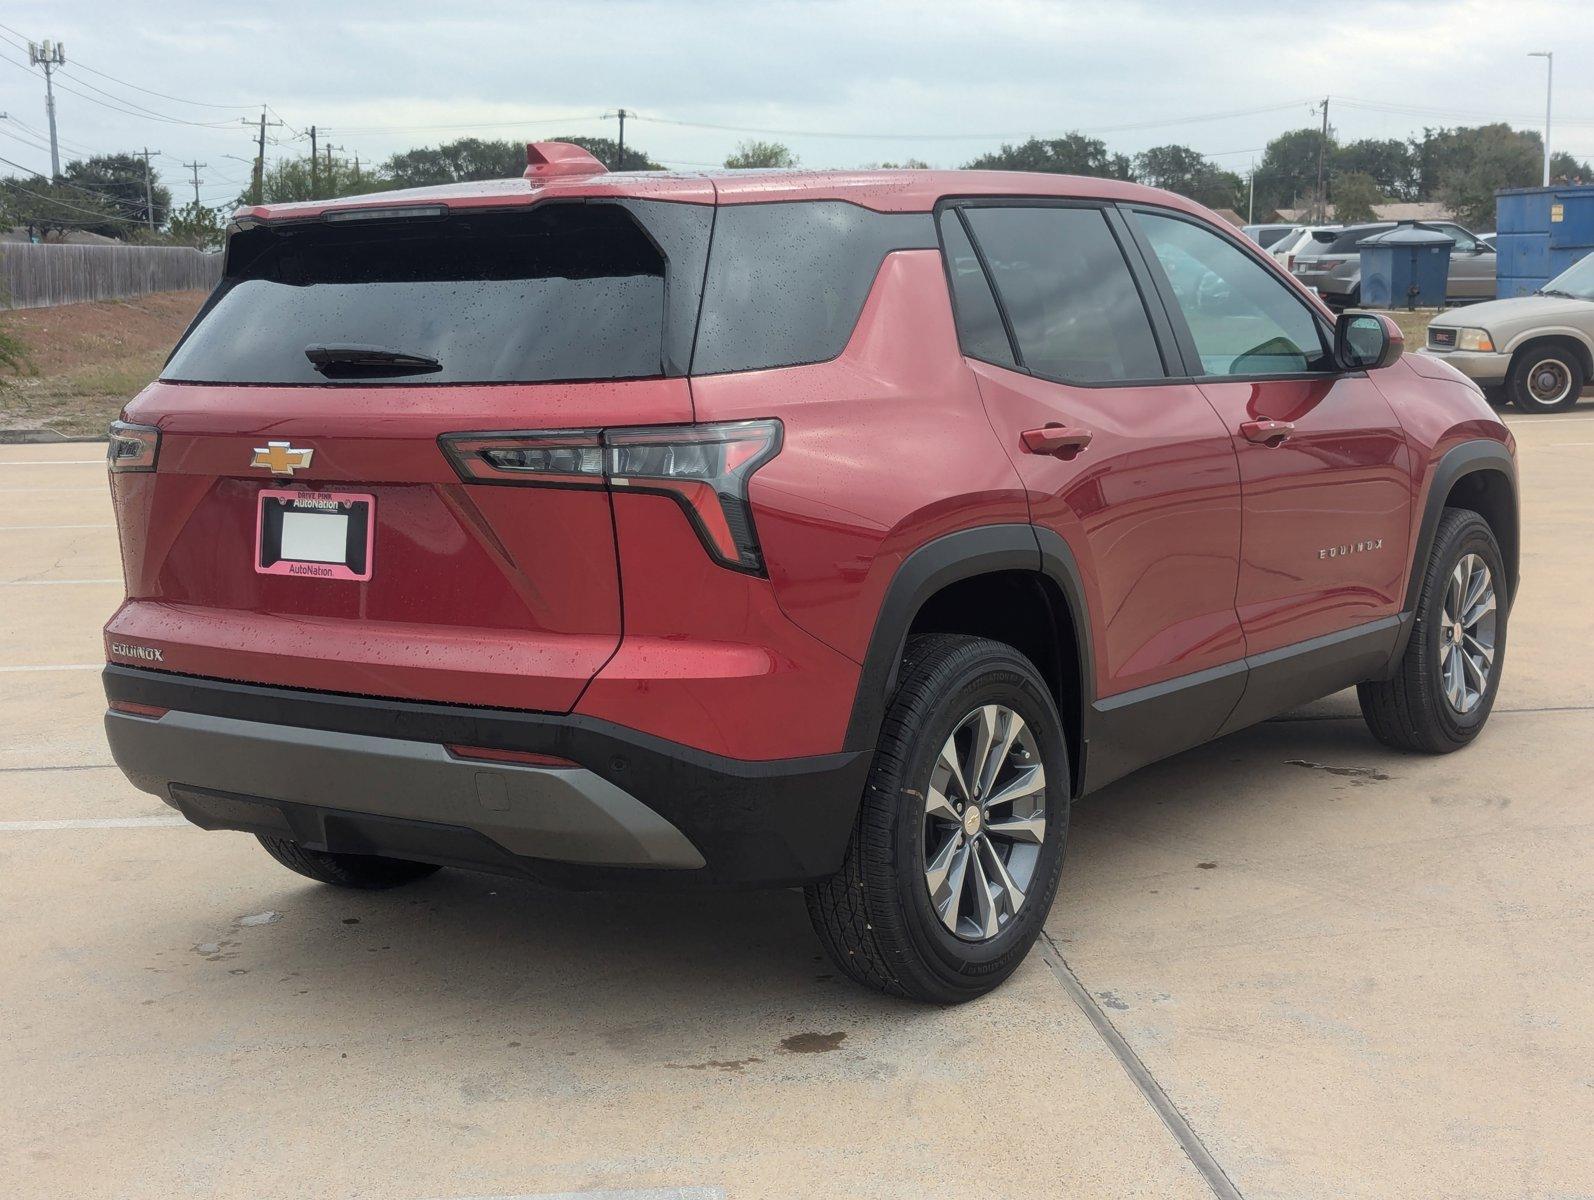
{"x": 1031, "y": 829}
{"x": 1479, "y": 609}
{"x": 984, "y": 901}
{"x": 1477, "y": 581}
{"x": 1479, "y": 649}
{"x": 986, "y": 730}
{"x": 1478, "y": 673}
{"x": 949, "y": 762}
{"x": 937, "y": 805}
{"x": 1452, "y": 676}
{"x": 1026, "y": 781}
{"x": 1454, "y": 592}
{"x": 950, "y": 902}
{"x": 940, "y": 866}
{"x": 1012, "y": 894}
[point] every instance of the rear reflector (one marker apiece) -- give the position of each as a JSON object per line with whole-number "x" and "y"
{"x": 524, "y": 758}
{"x": 139, "y": 710}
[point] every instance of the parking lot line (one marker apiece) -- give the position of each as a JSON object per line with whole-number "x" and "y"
{"x": 685, "y": 1193}
{"x": 21, "y": 528}
{"x": 92, "y": 823}
{"x": 56, "y": 462}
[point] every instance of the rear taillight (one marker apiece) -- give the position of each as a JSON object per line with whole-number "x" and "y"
{"x": 132, "y": 447}
{"x": 703, "y": 468}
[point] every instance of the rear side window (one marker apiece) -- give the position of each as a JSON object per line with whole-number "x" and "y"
{"x": 555, "y": 292}
{"x": 1347, "y": 241}
{"x": 786, "y": 281}
{"x": 1075, "y": 310}
{"x": 980, "y": 330}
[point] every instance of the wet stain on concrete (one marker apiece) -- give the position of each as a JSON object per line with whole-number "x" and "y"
{"x": 216, "y": 951}
{"x": 264, "y": 918}
{"x": 1111, "y": 1000}
{"x": 734, "y": 1065}
{"x": 1209, "y": 866}
{"x": 812, "y": 1043}
{"x": 1357, "y": 773}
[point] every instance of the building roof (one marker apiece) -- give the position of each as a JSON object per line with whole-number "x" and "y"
{"x": 1426, "y": 210}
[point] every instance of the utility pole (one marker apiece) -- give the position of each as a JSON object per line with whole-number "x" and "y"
{"x": 1322, "y": 150}
{"x": 258, "y": 189}
{"x": 194, "y": 167}
{"x": 1549, "y": 90}
{"x": 49, "y": 55}
{"x": 149, "y": 189}
{"x": 315, "y": 189}
{"x": 1250, "y": 204}
{"x": 622, "y": 114}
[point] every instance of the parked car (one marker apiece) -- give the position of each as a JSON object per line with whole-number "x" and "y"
{"x": 1336, "y": 270}
{"x": 1266, "y": 235}
{"x": 832, "y": 529}
{"x": 1304, "y": 239}
{"x": 1539, "y": 348}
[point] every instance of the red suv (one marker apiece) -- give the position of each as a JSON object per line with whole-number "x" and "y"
{"x": 772, "y": 529}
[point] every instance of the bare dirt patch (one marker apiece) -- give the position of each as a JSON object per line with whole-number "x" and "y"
{"x": 85, "y": 361}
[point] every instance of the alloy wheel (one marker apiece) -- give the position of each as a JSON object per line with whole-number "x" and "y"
{"x": 1467, "y": 634}
{"x": 984, "y": 822}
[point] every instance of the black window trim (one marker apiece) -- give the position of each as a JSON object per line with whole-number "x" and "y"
{"x": 1163, "y": 333}
{"x": 1194, "y": 368}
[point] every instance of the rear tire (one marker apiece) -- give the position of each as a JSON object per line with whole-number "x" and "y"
{"x": 920, "y": 828}
{"x": 1438, "y": 698}
{"x": 1546, "y": 379}
{"x": 368, "y": 872}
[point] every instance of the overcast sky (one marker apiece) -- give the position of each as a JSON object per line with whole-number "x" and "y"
{"x": 847, "y": 83}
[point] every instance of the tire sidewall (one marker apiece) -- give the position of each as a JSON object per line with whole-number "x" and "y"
{"x": 1006, "y": 683}
{"x": 1474, "y": 538}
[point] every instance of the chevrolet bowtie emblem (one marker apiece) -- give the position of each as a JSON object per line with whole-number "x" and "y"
{"x": 280, "y": 458}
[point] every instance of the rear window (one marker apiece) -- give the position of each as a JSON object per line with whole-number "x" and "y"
{"x": 786, "y": 281}
{"x": 1346, "y": 241}
{"x": 1268, "y": 237}
{"x": 555, "y": 292}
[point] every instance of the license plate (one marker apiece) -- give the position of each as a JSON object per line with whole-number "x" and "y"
{"x": 322, "y": 535}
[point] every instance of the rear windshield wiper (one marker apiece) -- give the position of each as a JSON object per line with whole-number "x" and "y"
{"x": 350, "y": 360}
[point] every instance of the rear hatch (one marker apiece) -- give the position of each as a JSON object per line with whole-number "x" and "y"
{"x": 300, "y": 524}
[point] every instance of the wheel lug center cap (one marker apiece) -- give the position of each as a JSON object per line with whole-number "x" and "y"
{"x": 972, "y": 820}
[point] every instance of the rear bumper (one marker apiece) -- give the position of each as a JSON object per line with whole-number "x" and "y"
{"x": 364, "y": 775}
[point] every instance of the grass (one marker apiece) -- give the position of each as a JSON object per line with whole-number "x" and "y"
{"x": 79, "y": 402}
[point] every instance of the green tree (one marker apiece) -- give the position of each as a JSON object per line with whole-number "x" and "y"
{"x": 1354, "y": 193}
{"x": 118, "y": 180}
{"x": 1181, "y": 169}
{"x": 49, "y": 211}
{"x": 198, "y": 226}
{"x": 1389, "y": 162}
{"x": 607, "y": 151}
{"x": 1565, "y": 166}
{"x": 1477, "y": 162}
{"x": 459, "y": 161}
{"x": 907, "y": 164}
{"x": 291, "y": 179}
{"x": 761, "y": 154}
{"x": 1071, "y": 154}
{"x": 1287, "y": 173}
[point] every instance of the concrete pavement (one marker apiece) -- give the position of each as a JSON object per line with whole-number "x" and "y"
{"x": 1350, "y": 972}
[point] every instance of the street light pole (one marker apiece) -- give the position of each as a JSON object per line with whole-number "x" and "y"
{"x": 1549, "y": 94}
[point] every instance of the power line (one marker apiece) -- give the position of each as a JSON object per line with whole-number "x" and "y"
{"x": 98, "y": 216}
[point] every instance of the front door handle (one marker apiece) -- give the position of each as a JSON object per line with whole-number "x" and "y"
{"x": 1060, "y": 441}
{"x": 1268, "y": 433}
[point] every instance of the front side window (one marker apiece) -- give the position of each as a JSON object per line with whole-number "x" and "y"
{"x": 1076, "y": 313}
{"x": 1243, "y": 319}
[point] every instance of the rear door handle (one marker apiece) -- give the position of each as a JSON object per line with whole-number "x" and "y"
{"x": 1269, "y": 433}
{"x": 1060, "y": 441}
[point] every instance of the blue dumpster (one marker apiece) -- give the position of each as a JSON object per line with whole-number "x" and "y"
{"x": 1408, "y": 266}
{"x": 1542, "y": 232}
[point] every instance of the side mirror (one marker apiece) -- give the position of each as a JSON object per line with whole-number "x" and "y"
{"x": 1365, "y": 341}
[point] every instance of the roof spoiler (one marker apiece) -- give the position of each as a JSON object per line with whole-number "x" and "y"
{"x": 550, "y": 160}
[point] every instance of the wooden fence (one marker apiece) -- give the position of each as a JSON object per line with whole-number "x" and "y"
{"x": 43, "y": 275}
